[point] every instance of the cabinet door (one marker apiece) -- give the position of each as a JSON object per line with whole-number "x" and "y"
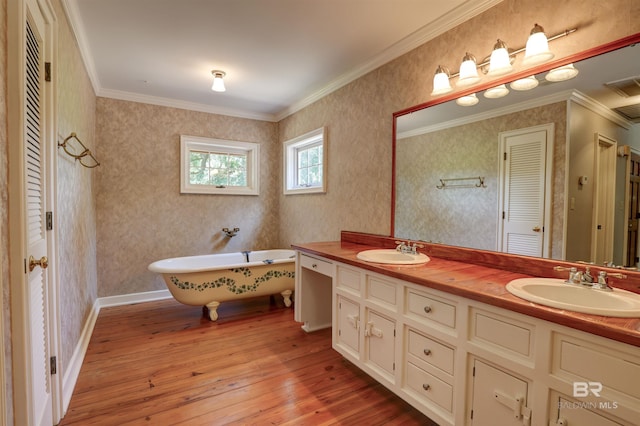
{"x": 348, "y": 325}
{"x": 498, "y": 397}
{"x": 380, "y": 333}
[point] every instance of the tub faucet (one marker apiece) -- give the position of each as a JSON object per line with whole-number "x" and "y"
{"x": 230, "y": 232}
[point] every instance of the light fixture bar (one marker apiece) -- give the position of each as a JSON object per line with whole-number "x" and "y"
{"x": 485, "y": 63}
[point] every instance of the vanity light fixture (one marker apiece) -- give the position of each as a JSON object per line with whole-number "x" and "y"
{"x": 218, "y": 81}
{"x": 537, "y": 50}
{"x": 526, "y": 83}
{"x": 496, "y": 92}
{"x": 469, "y": 100}
{"x": 563, "y": 73}
{"x": 441, "y": 83}
{"x": 500, "y": 62}
{"x": 468, "y": 71}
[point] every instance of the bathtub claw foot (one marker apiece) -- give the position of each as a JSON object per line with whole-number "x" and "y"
{"x": 213, "y": 310}
{"x": 287, "y": 297}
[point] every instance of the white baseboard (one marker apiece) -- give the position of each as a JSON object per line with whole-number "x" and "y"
{"x": 130, "y": 299}
{"x": 72, "y": 371}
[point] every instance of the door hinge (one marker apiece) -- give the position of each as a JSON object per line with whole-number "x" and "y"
{"x": 473, "y": 373}
{"x": 471, "y": 414}
{"x": 47, "y": 71}
{"x": 502, "y": 215}
{"x": 505, "y": 156}
{"x": 49, "y": 221}
{"x": 53, "y": 365}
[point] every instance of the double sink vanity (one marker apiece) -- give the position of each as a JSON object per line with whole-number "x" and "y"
{"x": 472, "y": 337}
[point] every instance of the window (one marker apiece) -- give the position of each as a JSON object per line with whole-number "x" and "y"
{"x": 215, "y": 166}
{"x": 305, "y": 165}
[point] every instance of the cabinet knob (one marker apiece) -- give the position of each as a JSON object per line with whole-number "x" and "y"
{"x": 426, "y": 387}
{"x": 427, "y": 352}
{"x": 427, "y": 309}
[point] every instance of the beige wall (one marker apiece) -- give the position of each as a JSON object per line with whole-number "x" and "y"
{"x": 583, "y": 125}
{"x": 467, "y": 217}
{"x": 100, "y": 210}
{"x": 141, "y": 215}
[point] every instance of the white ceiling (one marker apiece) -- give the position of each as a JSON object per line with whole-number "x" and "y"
{"x": 279, "y": 55}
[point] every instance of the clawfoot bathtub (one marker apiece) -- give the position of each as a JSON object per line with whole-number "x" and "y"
{"x": 208, "y": 280}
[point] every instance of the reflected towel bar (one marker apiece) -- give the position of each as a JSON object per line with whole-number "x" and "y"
{"x": 468, "y": 182}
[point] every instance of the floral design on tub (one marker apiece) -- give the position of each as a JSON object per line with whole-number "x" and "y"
{"x": 231, "y": 283}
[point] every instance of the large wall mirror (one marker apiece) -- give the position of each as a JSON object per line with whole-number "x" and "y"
{"x": 549, "y": 172}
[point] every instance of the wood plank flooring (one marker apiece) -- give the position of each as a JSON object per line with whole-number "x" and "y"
{"x": 163, "y": 363}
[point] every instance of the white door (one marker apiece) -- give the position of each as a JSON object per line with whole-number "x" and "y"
{"x": 524, "y": 194}
{"x": 32, "y": 130}
{"x": 604, "y": 200}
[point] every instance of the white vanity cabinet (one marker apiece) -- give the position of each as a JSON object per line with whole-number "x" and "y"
{"x": 463, "y": 362}
{"x": 364, "y": 321}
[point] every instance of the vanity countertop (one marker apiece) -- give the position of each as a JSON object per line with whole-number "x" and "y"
{"x": 477, "y": 282}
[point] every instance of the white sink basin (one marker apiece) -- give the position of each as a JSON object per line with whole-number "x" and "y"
{"x": 392, "y": 257}
{"x": 558, "y": 294}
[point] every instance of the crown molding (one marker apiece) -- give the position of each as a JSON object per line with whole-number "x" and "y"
{"x": 174, "y": 103}
{"x": 450, "y": 20}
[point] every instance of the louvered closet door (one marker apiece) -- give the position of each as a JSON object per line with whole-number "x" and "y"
{"x": 524, "y": 193}
{"x": 36, "y": 234}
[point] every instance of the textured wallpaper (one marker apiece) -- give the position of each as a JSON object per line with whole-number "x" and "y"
{"x": 468, "y": 217}
{"x": 75, "y": 214}
{"x": 141, "y": 215}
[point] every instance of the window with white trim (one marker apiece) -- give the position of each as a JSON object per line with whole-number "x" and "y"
{"x": 305, "y": 165}
{"x": 216, "y": 166}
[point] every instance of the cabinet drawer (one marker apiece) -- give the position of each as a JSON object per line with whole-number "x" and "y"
{"x": 431, "y": 352}
{"x": 348, "y": 279}
{"x": 321, "y": 266}
{"x": 430, "y": 308}
{"x": 429, "y": 387}
{"x": 381, "y": 290}
{"x": 502, "y": 332}
{"x": 579, "y": 360}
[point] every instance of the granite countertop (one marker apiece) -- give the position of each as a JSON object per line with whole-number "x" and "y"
{"x": 481, "y": 283}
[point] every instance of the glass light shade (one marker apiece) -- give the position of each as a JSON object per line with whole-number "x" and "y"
{"x": 563, "y": 73}
{"x": 496, "y": 92}
{"x": 218, "y": 81}
{"x": 500, "y": 62}
{"x": 468, "y": 100}
{"x": 441, "y": 83}
{"x": 526, "y": 83}
{"x": 537, "y": 50}
{"x": 468, "y": 71}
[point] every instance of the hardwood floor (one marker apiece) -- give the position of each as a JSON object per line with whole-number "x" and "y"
{"x": 162, "y": 363}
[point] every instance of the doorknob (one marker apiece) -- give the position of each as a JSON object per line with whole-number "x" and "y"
{"x": 43, "y": 263}
{"x": 536, "y": 229}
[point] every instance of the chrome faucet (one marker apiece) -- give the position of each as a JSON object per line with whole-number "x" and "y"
{"x": 407, "y": 248}
{"x": 584, "y": 278}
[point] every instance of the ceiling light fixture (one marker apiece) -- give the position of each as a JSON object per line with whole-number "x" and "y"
{"x": 441, "y": 83}
{"x": 218, "y": 81}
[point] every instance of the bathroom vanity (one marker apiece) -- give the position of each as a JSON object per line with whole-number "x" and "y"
{"x": 449, "y": 339}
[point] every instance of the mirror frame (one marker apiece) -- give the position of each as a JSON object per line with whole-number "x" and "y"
{"x": 607, "y": 47}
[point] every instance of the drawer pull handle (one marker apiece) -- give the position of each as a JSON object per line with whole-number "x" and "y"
{"x": 427, "y": 309}
{"x": 427, "y": 352}
{"x": 426, "y": 387}
{"x": 314, "y": 266}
